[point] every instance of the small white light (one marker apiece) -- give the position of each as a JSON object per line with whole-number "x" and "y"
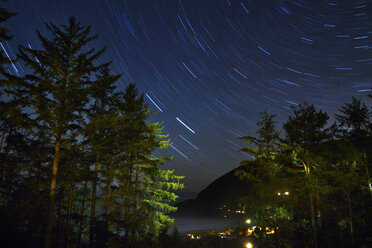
{"x": 249, "y": 245}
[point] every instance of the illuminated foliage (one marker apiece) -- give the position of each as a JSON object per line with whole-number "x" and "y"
{"x": 72, "y": 139}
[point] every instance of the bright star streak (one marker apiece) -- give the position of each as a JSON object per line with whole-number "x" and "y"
{"x": 154, "y": 103}
{"x": 8, "y": 57}
{"x": 188, "y": 142}
{"x": 222, "y": 104}
{"x": 183, "y": 155}
{"x": 37, "y": 60}
{"x": 185, "y": 125}
{"x": 189, "y": 70}
{"x": 241, "y": 74}
{"x": 264, "y": 50}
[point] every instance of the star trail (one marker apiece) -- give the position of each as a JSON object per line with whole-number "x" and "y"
{"x": 209, "y": 67}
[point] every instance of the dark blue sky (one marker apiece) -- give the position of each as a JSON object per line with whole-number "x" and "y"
{"x": 211, "y": 66}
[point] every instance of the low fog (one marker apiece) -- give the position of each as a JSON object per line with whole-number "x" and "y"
{"x": 191, "y": 224}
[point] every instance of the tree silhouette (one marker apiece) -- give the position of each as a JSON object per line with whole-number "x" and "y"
{"x": 57, "y": 90}
{"x": 355, "y": 126}
{"x": 304, "y": 131}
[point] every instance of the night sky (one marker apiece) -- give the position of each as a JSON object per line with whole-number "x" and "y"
{"x": 209, "y": 67}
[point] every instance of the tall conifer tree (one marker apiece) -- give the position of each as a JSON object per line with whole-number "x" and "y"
{"x": 57, "y": 90}
{"x": 143, "y": 186}
{"x": 5, "y": 34}
{"x": 97, "y": 130}
{"x": 355, "y": 125}
{"x": 305, "y": 130}
{"x": 263, "y": 171}
{"x": 7, "y": 106}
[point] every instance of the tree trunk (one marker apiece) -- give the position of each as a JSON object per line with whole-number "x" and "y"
{"x": 50, "y": 220}
{"x": 312, "y": 210}
{"x": 2, "y": 166}
{"x": 276, "y": 238}
{"x": 367, "y": 173}
{"x": 319, "y": 213}
{"x": 35, "y": 212}
{"x": 3, "y": 169}
{"x": 128, "y": 183}
{"x": 108, "y": 196}
{"x": 350, "y": 216}
{"x": 134, "y": 214}
{"x": 69, "y": 213}
{"x": 2, "y": 141}
{"x": 85, "y": 192}
{"x": 313, "y": 224}
{"x": 59, "y": 211}
{"x": 342, "y": 237}
{"x": 93, "y": 203}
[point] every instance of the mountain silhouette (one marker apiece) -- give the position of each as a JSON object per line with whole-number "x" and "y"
{"x": 224, "y": 191}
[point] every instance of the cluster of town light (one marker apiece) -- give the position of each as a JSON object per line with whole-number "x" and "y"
{"x": 246, "y": 245}
{"x": 192, "y": 236}
{"x": 267, "y": 229}
{"x": 250, "y": 230}
{"x": 285, "y": 193}
{"x": 226, "y": 211}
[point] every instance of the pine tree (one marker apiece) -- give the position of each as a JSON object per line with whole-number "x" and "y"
{"x": 355, "y": 126}
{"x": 64, "y": 116}
{"x": 263, "y": 149}
{"x": 159, "y": 187}
{"x": 354, "y": 121}
{"x": 97, "y": 130}
{"x": 307, "y": 127}
{"x": 305, "y": 130}
{"x": 14, "y": 147}
{"x": 345, "y": 177}
{"x": 6, "y": 106}
{"x": 143, "y": 186}
{"x": 263, "y": 170}
{"x": 5, "y": 35}
{"x": 57, "y": 91}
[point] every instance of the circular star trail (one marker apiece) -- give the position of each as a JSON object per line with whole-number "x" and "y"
{"x": 210, "y": 67}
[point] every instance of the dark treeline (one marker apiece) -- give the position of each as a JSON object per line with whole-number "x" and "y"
{"x": 312, "y": 179}
{"x": 77, "y": 155}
